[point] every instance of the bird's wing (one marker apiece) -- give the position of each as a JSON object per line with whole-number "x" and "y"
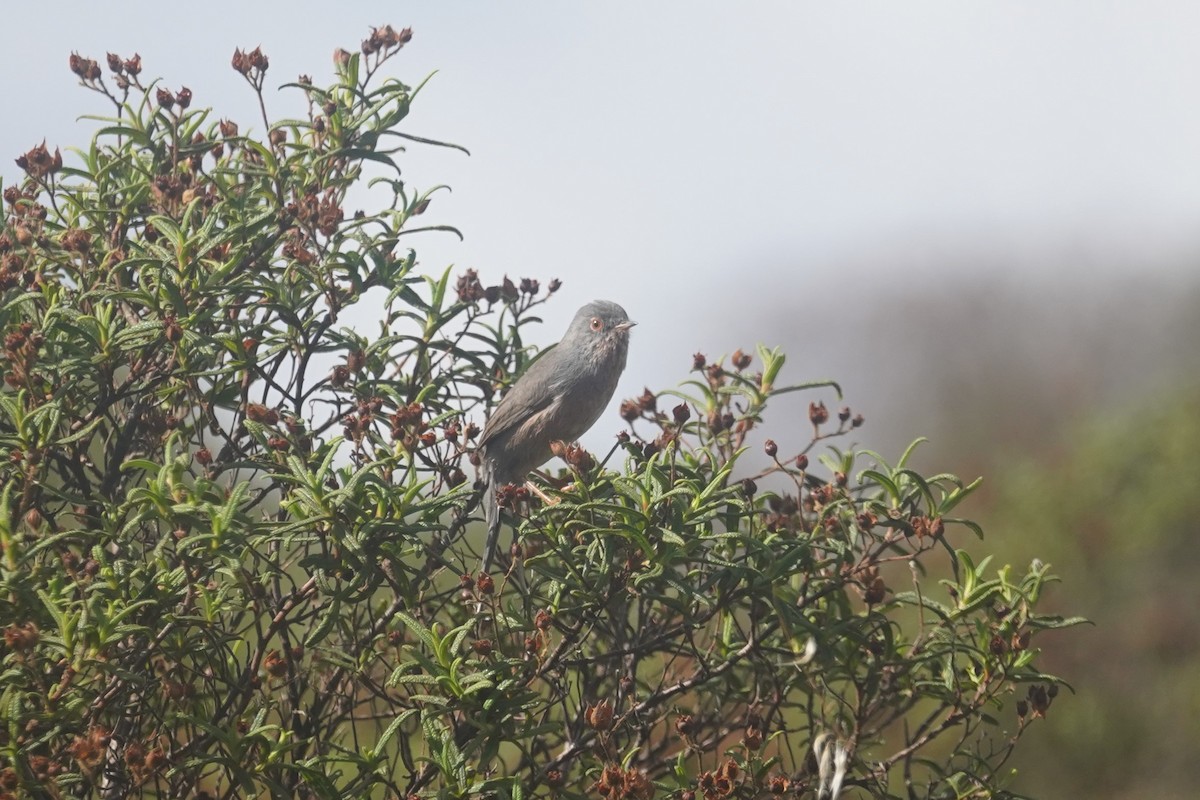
{"x": 530, "y": 396}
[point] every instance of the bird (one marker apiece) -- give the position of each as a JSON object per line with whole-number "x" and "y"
{"x": 558, "y": 398}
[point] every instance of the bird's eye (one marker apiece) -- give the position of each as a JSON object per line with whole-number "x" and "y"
{"x": 597, "y": 324}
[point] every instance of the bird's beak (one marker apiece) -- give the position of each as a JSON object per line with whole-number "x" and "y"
{"x": 624, "y": 326}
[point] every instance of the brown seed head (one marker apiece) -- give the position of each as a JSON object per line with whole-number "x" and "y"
{"x": 817, "y": 413}
{"x": 155, "y": 758}
{"x": 1039, "y": 700}
{"x": 171, "y": 328}
{"x": 89, "y": 748}
{"x": 274, "y": 664}
{"x": 258, "y": 60}
{"x": 919, "y": 525}
{"x": 261, "y": 414}
{"x": 468, "y": 287}
{"x": 85, "y": 68}
{"x": 22, "y": 638}
{"x": 41, "y": 767}
{"x": 579, "y": 459}
{"x": 600, "y": 716}
{"x": 508, "y": 291}
{"x": 76, "y": 240}
{"x": 38, "y": 162}
{"x": 239, "y": 62}
{"x": 135, "y": 754}
{"x": 174, "y": 690}
{"x": 875, "y": 590}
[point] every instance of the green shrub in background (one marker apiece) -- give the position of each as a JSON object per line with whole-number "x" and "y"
{"x": 232, "y": 564}
{"x": 1115, "y": 503}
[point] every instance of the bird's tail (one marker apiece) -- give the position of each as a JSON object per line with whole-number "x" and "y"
{"x": 491, "y": 514}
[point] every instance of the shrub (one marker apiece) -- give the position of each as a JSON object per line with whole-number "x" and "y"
{"x": 1113, "y": 479}
{"x": 233, "y": 554}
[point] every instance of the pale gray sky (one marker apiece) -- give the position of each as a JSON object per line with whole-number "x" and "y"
{"x": 671, "y": 156}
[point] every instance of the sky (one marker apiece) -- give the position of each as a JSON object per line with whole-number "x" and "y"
{"x": 727, "y": 172}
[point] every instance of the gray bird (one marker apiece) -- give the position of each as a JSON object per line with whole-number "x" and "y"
{"x": 559, "y": 397}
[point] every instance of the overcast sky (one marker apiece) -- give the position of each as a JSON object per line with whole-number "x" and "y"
{"x": 676, "y": 156}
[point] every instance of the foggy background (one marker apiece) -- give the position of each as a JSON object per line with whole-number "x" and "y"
{"x": 981, "y": 218}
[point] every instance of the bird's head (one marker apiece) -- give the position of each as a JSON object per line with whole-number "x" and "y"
{"x": 601, "y": 329}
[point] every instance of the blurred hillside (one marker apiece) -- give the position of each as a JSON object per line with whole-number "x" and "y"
{"x": 986, "y": 356}
{"x": 1116, "y": 510}
{"x": 1078, "y": 402}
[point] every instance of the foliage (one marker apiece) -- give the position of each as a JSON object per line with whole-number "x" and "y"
{"x": 1113, "y": 505}
{"x": 233, "y": 551}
